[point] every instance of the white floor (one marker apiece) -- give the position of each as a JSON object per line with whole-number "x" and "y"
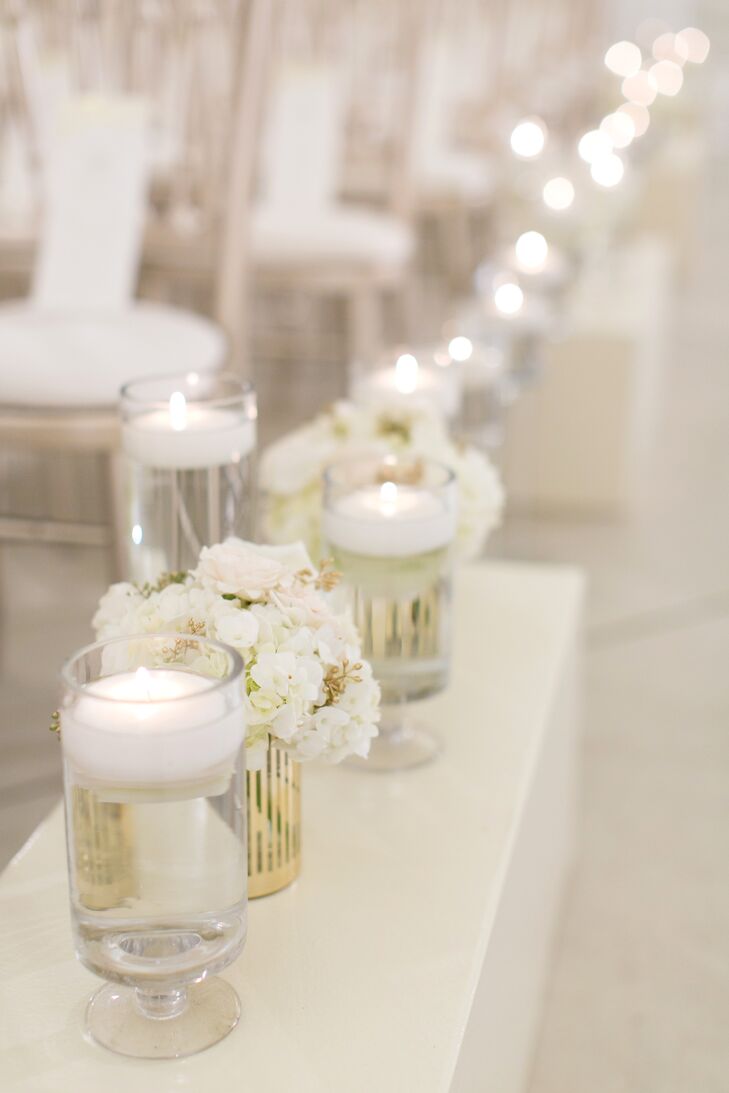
{"x": 639, "y": 997}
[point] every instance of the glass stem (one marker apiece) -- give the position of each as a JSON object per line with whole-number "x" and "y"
{"x": 393, "y": 723}
{"x": 160, "y": 1005}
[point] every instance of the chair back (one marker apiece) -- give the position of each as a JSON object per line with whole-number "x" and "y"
{"x": 200, "y": 67}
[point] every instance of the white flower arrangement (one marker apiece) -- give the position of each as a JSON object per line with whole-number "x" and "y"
{"x": 307, "y": 686}
{"x": 291, "y": 469}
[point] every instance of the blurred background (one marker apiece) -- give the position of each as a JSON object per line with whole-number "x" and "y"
{"x": 536, "y": 190}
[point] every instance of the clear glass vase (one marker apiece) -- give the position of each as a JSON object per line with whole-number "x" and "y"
{"x": 189, "y": 476}
{"x": 389, "y": 525}
{"x": 152, "y": 732}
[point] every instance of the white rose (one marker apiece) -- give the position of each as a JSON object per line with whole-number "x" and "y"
{"x": 294, "y": 555}
{"x": 232, "y": 568}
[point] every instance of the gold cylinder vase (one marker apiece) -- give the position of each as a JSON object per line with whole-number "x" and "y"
{"x": 274, "y": 824}
{"x": 102, "y": 850}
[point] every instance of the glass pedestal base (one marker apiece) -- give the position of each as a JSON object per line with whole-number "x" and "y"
{"x": 400, "y": 745}
{"x": 169, "y": 1025}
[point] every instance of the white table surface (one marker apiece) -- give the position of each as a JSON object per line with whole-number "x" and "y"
{"x": 362, "y": 976}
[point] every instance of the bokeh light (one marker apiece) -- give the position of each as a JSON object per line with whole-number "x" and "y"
{"x": 668, "y": 77}
{"x": 593, "y": 145}
{"x": 531, "y": 251}
{"x": 669, "y": 47}
{"x": 558, "y": 194}
{"x": 608, "y": 170}
{"x": 528, "y": 138}
{"x": 509, "y": 298}
{"x": 639, "y": 115}
{"x": 623, "y": 58}
{"x": 640, "y": 88}
{"x": 460, "y": 348}
{"x": 695, "y": 43}
{"x": 618, "y": 128}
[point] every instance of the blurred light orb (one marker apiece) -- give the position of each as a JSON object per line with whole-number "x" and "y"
{"x": 619, "y": 129}
{"x": 593, "y": 145}
{"x": 640, "y": 88}
{"x": 531, "y": 252}
{"x": 460, "y": 348}
{"x": 608, "y": 170}
{"x": 639, "y": 115}
{"x": 137, "y": 534}
{"x": 623, "y": 58}
{"x": 558, "y": 194}
{"x": 695, "y": 43}
{"x": 509, "y": 298}
{"x": 668, "y": 77}
{"x": 528, "y": 138}
{"x": 669, "y": 47}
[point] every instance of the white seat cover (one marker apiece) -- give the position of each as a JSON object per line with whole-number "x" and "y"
{"x": 58, "y": 359}
{"x": 330, "y": 234}
{"x": 457, "y": 174}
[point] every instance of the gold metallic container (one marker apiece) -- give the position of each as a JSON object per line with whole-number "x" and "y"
{"x": 104, "y": 868}
{"x": 274, "y": 824}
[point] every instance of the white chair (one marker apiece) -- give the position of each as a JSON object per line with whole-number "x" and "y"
{"x": 65, "y": 352}
{"x": 304, "y": 236}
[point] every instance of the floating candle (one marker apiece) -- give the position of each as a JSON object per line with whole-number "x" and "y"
{"x": 390, "y": 521}
{"x": 185, "y": 435}
{"x": 409, "y": 382}
{"x": 150, "y": 727}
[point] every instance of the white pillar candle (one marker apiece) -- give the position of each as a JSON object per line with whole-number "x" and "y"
{"x": 411, "y": 383}
{"x": 389, "y": 521}
{"x": 188, "y": 436}
{"x": 151, "y": 727}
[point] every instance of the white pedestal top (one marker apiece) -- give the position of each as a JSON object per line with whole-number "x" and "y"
{"x": 361, "y": 976}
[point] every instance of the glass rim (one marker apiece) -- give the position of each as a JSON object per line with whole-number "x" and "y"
{"x": 329, "y": 472}
{"x": 129, "y": 392}
{"x": 237, "y": 666}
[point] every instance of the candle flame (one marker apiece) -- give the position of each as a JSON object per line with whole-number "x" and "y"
{"x": 178, "y": 411}
{"x": 406, "y": 374}
{"x": 388, "y": 498}
{"x": 143, "y": 682}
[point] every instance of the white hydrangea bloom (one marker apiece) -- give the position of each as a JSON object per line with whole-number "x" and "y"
{"x": 291, "y": 469}
{"x": 306, "y": 685}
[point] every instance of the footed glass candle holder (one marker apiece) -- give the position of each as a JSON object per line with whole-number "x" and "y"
{"x": 389, "y": 526}
{"x": 152, "y": 732}
{"x": 422, "y": 377}
{"x": 189, "y": 443}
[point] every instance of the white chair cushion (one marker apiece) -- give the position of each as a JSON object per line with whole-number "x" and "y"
{"x": 335, "y": 233}
{"x": 71, "y": 360}
{"x": 457, "y": 174}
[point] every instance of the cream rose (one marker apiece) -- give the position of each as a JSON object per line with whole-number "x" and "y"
{"x": 232, "y": 568}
